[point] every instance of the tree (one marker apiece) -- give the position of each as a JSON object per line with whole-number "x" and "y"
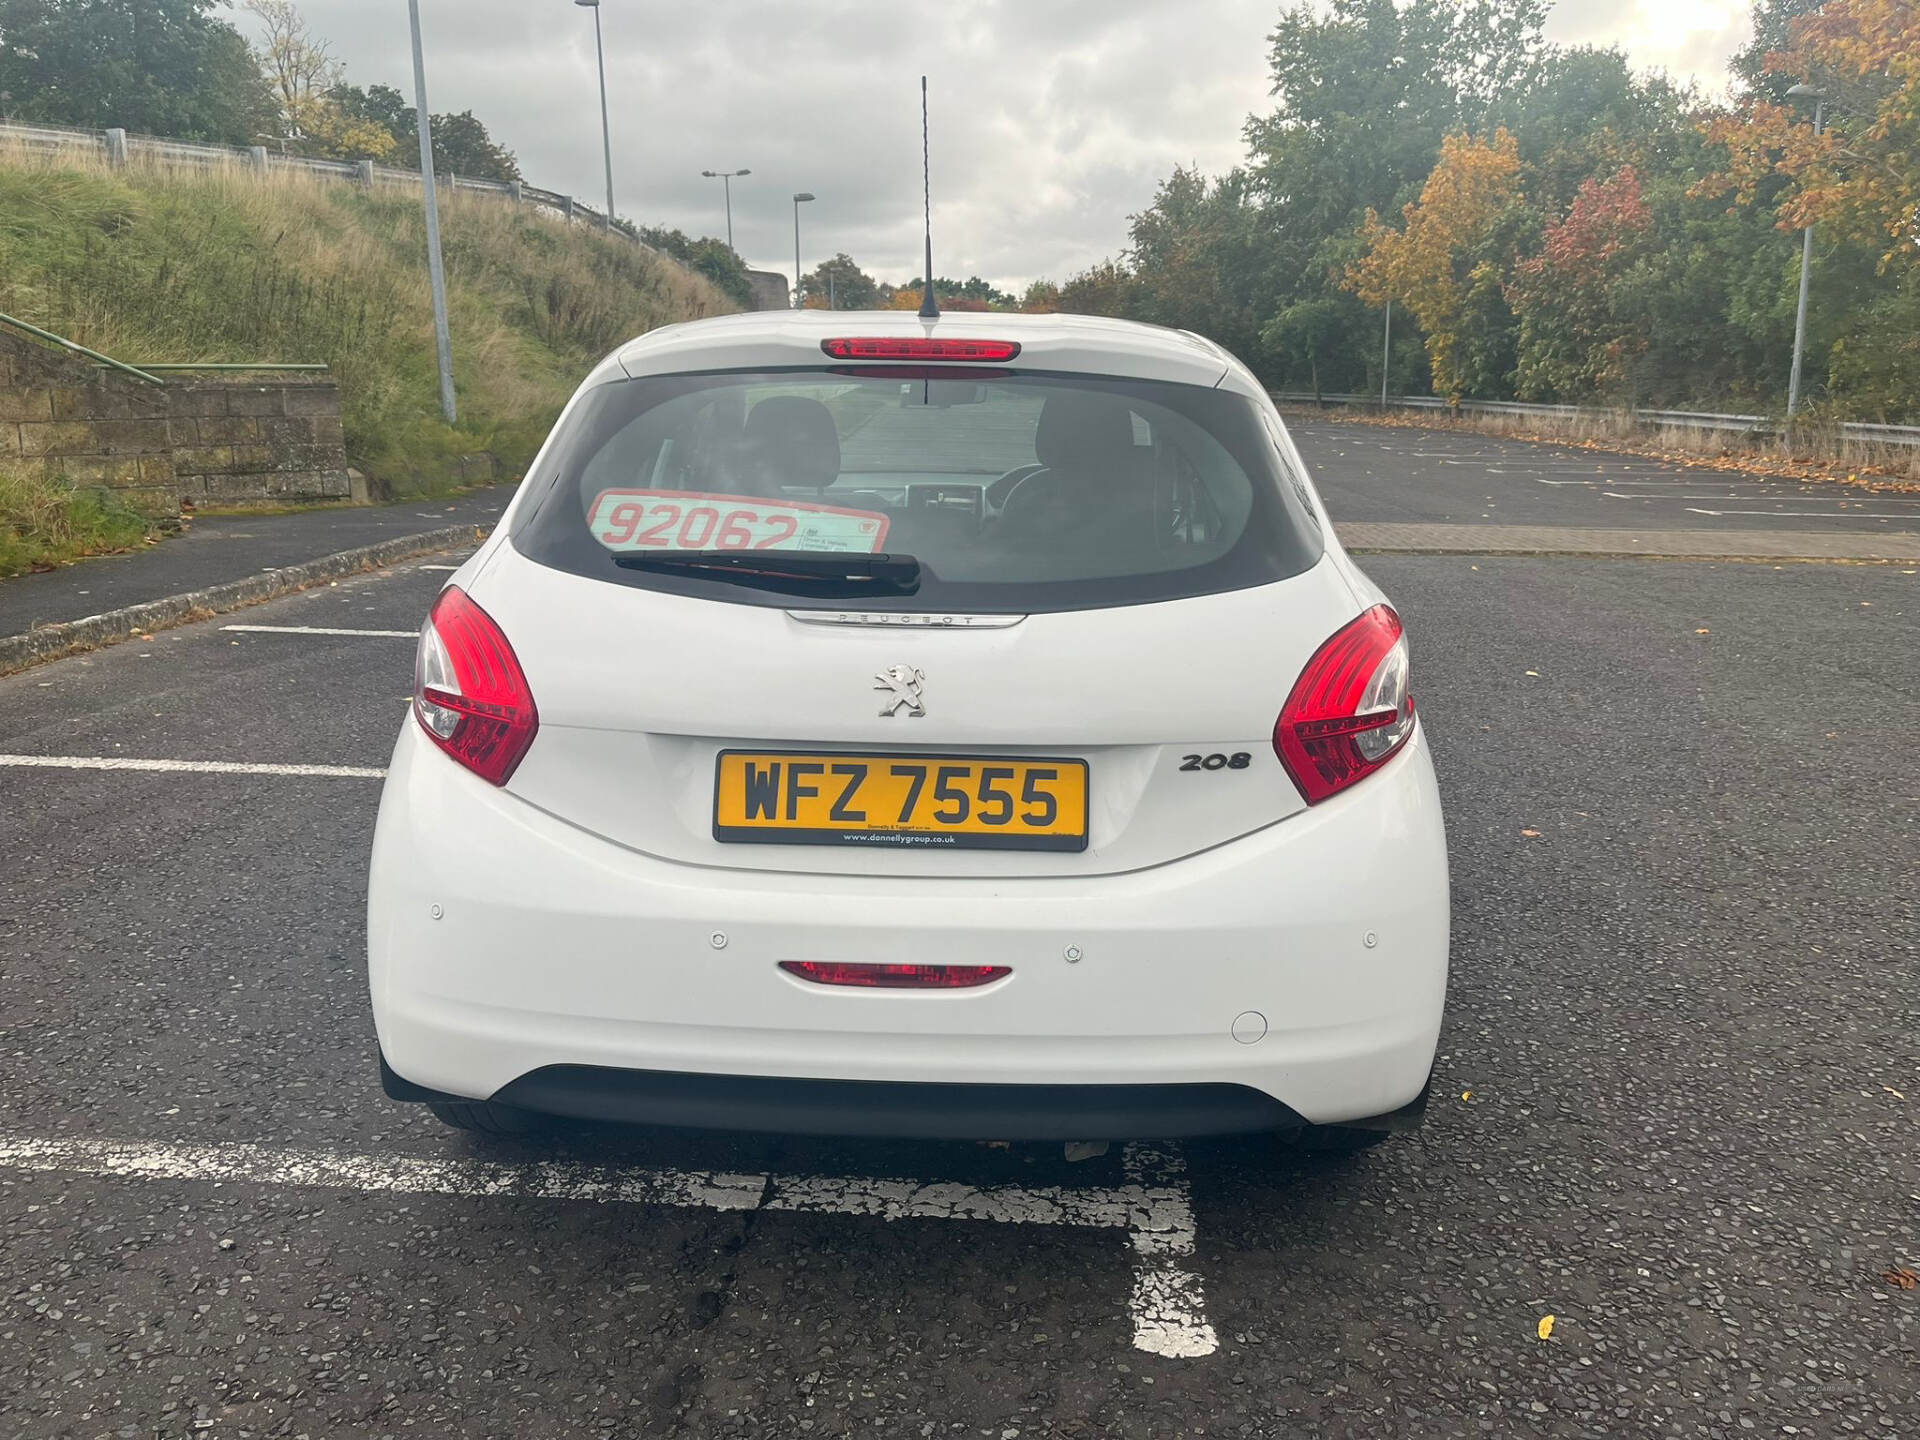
{"x": 972, "y": 293}
{"x": 298, "y": 64}
{"x": 1439, "y": 265}
{"x": 1858, "y": 181}
{"x": 1772, "y": 28}
{"x": 1578, "y": 327}
{"x": 161, "y": 67}
{"x": 380, "y": 105}
{"x": 306, "y": 82}
{"x": 1200, "y": 253}
{"x": 461, "y": 144}
{"x": 1308, "y": 328}
{"x": 1365, "y": 91}
{"x": 1108, "y": 288}
{"x": 715, "y": 259}
{"x": 1042, "y": 297}
{"x": 840, "y": 282}
{"x": 1577, "y": 253}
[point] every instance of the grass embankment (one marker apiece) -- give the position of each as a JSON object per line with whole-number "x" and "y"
{"x": 160, "y": 264}
{"x": 1815, "y": 452}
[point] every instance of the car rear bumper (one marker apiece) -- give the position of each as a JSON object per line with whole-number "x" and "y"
{"x": 506, "y": 945}
{"x": 888, "y": 1109}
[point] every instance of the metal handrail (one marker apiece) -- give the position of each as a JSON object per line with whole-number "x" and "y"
{"x": 66, "y": 344}
{"x": 231, "y": 365}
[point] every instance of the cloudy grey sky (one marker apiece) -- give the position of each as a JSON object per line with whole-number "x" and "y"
{"x": 1052, "y": 119}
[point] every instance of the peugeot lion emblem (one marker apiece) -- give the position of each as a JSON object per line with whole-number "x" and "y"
{"x": 902, "y": 686}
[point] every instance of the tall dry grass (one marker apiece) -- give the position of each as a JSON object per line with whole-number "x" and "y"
{"x": 158, "y": 263}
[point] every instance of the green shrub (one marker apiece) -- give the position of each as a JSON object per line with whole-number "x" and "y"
{"x": 44, "y": 522}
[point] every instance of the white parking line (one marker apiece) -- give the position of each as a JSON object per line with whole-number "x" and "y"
{"x": 1777, "y": 499}
{"x": 1822, "y": 514}
{"x": 448, "y": 568}
{"x": 1154, "y": 1207}
{"x": 191, "y": 767}
{"x": 324, "y": 630}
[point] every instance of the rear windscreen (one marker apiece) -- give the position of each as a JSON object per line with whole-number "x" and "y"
{"x": 1013, "y": 492}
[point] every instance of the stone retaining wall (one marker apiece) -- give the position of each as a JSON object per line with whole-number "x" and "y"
{"x": 208, "y": 442}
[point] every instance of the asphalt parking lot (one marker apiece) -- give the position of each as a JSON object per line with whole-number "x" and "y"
{"x": 1675, "y": 1109}
{"x": 1373, "y": 473}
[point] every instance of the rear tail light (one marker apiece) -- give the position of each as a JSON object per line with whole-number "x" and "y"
{"x": 917, "y": 347}
{"x": 469, "y": 693}
{"x": 895, "y": 977}
{"x": 1351, "y": 708}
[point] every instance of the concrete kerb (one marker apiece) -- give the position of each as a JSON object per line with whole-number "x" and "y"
{"x": 68, "y": 637}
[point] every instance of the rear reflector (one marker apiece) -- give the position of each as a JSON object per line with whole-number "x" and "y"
{"x": 896, "y": 977}
{"x": 915, "y": 347}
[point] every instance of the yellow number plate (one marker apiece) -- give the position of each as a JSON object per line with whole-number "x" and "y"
{"x": 906, "y": 800}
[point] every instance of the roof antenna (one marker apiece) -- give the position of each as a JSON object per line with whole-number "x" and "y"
{"x": 929, "y": 307}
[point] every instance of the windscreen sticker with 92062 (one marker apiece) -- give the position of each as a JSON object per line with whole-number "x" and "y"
{"x": 627, "y": 521}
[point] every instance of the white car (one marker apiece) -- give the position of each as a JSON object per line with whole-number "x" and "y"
{"x": 861, "y": 724}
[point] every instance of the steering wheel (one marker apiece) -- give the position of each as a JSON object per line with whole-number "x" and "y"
{"x": 1000, "y": 491}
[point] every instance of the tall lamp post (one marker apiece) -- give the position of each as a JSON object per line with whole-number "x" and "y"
{"x": 436, "y": 272}
{"x": 1819, "y": 98}
{"x": 606, "y": 129}
{"x": 726, "y": 178}
{"x": 800, "y": 198}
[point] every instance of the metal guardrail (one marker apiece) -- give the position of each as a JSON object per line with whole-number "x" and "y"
{"x": 1757, "y": 425}
{"x": 118, "y": 146}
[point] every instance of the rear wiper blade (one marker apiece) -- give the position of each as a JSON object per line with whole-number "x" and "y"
{"x": 812, "y": 572}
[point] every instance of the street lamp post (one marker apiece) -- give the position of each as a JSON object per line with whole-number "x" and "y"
{"x": 436, "y": 272}
{"x": 1386, "y": 357}
{"x": 606, "y": 128}
{"x": 800, "y": 198}
{"x": 1819, "y": 98}
{"x": 726, "y": 178}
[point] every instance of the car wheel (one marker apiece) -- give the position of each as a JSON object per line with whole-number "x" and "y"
{"x": 1337, "y": 1139}
{"x": 483, "y": 1117}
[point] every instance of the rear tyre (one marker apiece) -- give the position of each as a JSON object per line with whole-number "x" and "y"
{"x": 483, "y": 1117}
{"x": 1338, "y": 1139}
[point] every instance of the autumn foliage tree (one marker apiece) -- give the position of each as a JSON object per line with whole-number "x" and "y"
{"x": 1438, "y": 264}
{"x": 1579, "y": 320}
{"x": 303, "y": 75}
{"x": 1857, "y": 181}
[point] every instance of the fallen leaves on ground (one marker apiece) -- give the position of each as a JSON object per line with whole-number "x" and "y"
{"x": 1901, "y": 1277}
{"x": 1545, "y": 1328}
{"x": 1531, "y": 834}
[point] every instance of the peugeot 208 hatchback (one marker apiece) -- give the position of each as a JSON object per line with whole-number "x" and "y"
{"x": 861, "y": 724}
